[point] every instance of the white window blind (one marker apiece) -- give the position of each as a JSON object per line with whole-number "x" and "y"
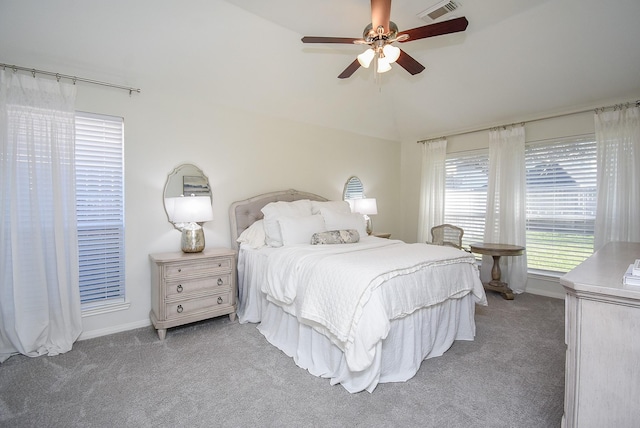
{"x": 466, "y": 194}
{"x": 561, "y": 202}
{"x": 354, "y": 189}
{"x": 100, "y": 208}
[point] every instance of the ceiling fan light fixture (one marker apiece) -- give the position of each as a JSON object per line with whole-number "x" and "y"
{"x": 383, "y": 64}
{"x": 366, "y": 57}
{"x": 391, "y": 53}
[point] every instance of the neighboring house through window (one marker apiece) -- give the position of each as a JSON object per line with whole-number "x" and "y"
{"x": 561, "y": 200}
{"x": 467, "y": 175}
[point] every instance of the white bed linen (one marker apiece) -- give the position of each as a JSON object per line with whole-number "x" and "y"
{"x": 333, "y": 288}
{"x": 413, "y": 335}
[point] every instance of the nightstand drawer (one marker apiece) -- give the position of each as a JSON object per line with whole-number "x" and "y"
{"x": 213, "y": 283}
{"x": 208, "y": 267}
{"x": 189, "y": 287}
{"x": 188, "y": 307}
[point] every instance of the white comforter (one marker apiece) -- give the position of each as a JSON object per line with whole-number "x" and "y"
{"x": 328, "y": 287}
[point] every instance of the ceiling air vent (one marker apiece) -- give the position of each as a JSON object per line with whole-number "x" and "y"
{"x": 437, "y": 10}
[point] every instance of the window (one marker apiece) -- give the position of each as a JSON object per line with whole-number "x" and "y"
{"x": 466, "y": 194}
{"x": 561, "y": 202}
{"x": 100, "y": 208}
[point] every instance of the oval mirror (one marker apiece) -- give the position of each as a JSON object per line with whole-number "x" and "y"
{"x": 353, "y": 189}
{"x": 186, "y": 179}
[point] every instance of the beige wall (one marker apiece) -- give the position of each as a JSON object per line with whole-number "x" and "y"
{"x": 242, "y": 153}
{"x": 195, "y": 106}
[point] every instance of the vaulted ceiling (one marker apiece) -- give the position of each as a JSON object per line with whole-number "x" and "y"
{"x": 517, "y": 60}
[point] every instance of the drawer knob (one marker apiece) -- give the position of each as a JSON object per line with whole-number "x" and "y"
{"x": 179, "y": 288}
{"x": 220, "y": 282}
{"x": 219, "y": 264}
{"x": 179, "y": 269}
{"x": 180, "y": 309}
{"x": 219, "y": 300}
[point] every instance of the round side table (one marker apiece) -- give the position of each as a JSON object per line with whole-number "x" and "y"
{"x": 496, "y": 251}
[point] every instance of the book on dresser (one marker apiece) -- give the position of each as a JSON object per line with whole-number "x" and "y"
{"x": 632, "y": 275}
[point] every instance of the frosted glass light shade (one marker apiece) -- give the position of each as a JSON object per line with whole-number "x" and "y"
{"x": 383, "y": 65}
{"x": 192, "y": 209}
{"x": 366, "y": 57}
{"x": 391, "y": 53}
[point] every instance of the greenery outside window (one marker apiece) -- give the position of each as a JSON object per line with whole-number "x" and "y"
{"x": 561, "y": 202}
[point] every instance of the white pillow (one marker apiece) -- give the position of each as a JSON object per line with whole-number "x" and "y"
{"x": 254, "y": 235}
{"x": 299, "y": 230}
{"x": 277, "y": 210}
{"x": 340, "y": 221}
{"x": 337, "y": 206}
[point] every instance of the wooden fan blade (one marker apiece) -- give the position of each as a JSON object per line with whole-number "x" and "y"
{"x": 314, "y": 39}
{"x": 437, "y": 29}
{"x": 407, "y": 62}
{"x": 350, "y": 70}
{"x": 380, "y": 14}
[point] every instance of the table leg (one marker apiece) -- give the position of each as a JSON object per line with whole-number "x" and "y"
{"x": 495, "y": 270}
{"x": 495, "y": 284}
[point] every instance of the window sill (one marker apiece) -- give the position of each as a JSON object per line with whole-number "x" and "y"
{"x": 546, "y": 275}
{"x": 105, "y": 309}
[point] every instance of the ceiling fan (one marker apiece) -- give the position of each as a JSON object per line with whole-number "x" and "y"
{"x": 381, "y": 33}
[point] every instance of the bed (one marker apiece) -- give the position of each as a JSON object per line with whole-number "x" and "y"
{"x": 356, "y": 309}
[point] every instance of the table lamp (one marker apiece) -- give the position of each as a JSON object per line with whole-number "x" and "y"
{"x": 189, "y": 211}
{"x": 366, "y": 207}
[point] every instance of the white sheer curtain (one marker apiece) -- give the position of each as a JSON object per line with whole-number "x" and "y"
{"x": 506, "y": 204}
{"x": 432, "y": 185}
{"x": 39, "y": 299}
{"x": 618, "y": 176}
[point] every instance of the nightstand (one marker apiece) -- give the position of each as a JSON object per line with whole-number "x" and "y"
{"x": 189, "y": 287}
{"x": 382, "y": 235}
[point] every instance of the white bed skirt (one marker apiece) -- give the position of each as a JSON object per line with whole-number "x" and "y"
{"x": 424, "y": 334}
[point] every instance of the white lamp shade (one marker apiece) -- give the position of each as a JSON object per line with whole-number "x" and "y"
{"x": 366, "y": 57}
{"x": 391, "y": 52}
{"x": 169, "y": 205}
{"x": 367, "y": 206}
{"x": 192, "y": 209}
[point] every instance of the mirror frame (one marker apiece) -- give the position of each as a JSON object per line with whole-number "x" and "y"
{"x": 179, "y": 172}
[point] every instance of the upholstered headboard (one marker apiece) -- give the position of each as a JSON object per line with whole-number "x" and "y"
{"x": 243, "y": 213}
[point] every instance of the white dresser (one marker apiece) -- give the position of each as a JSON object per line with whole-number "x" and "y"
{"x": 188, "y": 287}
{"x": 602, "y": 333}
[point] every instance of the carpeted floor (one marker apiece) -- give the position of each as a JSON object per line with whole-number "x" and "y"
{"x": 220, "y": 373}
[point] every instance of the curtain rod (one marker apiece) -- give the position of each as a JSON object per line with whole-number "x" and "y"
{"x": 596, "y": 110}
{"x": 75, "y": 79}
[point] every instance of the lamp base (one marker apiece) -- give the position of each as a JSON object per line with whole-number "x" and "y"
{"x": 369, "y": 224}
{"x": 192, "y": 240}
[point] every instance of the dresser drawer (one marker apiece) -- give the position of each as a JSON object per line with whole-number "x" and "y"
{"x": 213, "y": 283}
{"x": 208, "y": 267}
{"x": 188, "y": 307}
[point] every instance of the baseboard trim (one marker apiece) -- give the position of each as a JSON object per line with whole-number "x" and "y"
{"x": 114, "y": 329}
{"x": 545, "y": 286}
